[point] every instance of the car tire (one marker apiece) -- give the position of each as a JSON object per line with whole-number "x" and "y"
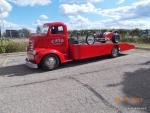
{"x": 103, "y": 41}
{"x": 115, "y": 52}
{"x": 50, "y": 62}
{"x": 116, "y": 38}
{"x": 90, "y": 39}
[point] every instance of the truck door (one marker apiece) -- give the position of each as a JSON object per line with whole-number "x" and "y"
{"x": 57, "y": 38}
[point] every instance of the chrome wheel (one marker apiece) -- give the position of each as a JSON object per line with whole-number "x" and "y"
{"x": 50, "y": 62}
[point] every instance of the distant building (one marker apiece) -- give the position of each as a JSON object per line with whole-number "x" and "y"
{"x": 12, "y": 34}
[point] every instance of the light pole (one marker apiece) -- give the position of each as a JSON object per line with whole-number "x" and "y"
{"x": 0, "y": 32}
{"x": 1, "y": 28}
{"x": 1, "y": 25}
{"x": 10, "y": 31}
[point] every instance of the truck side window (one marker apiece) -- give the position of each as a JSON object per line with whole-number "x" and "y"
{"x": 57, "y": 30}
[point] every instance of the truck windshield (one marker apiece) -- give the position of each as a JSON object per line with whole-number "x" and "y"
{"x": 43, "y": 30}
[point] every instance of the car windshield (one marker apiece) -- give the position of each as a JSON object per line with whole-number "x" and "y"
{"x": 42, "y": 30}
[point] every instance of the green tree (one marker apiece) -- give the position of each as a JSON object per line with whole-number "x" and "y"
{"x": 25, "y": 32}
{"x": 123, "y": 33}
{"x": 135, "y": 32}
{"x": 38, "y": 29}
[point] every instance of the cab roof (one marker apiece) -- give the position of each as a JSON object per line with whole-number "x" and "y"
{"x": 55, "y": 23}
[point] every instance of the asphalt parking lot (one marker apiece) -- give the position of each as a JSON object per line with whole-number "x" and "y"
{"x": 99, "y": 85}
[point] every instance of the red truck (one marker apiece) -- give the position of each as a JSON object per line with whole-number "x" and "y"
{"x": 52, "y": 47}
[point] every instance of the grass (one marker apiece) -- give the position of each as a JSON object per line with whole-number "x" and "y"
{"x": 10, "y": 45}
{"x": 142, "y": 46}
{"x": 137, "y": 40}
{"x": 143, "y": 43}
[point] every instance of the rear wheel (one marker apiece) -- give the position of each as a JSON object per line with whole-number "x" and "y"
{"x": 115, "y": 52}
{"x": 50, "y": 62}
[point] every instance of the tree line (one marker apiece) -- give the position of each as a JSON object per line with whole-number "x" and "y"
{"x": 25, "y": 33}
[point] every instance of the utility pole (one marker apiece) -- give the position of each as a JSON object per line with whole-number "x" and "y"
{"x": 0, "y": 32}
{"x": 10, "y": 33}
{"x": 1, "y": 22}
{"x": 1, "y": 27}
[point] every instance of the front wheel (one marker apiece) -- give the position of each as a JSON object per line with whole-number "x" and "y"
{"x": 115, "y": 52}
{"x": 90, "y": 39}
{"x": 116, "y": 38}
{"x": 50, "y": 62}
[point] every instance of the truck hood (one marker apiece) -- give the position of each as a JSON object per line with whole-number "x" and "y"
{"x": 36, "y": 39}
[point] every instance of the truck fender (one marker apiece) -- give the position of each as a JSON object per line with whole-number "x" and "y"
{"x": 41, "y": 54}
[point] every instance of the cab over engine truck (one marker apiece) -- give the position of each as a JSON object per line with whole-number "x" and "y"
{"x": 52, "y": 47}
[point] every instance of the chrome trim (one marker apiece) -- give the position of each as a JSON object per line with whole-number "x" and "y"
{"x": 31, "y": 65}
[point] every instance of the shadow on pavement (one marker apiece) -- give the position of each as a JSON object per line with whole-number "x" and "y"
{"x": 136, "y": 87}
{"x": 146, "y": 63}
{"x": 87, "y": 61}
{"x": 137, "y": 84}
{"x": 22, "y": 69}
{"x": 17, "y": 70}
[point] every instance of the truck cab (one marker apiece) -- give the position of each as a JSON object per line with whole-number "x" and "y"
{"x": 51, "y": 47}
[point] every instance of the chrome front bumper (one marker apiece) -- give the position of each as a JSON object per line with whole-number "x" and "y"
{"x": 30, "y": 64}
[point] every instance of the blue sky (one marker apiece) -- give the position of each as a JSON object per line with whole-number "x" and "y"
{"x": 77, "y": 14}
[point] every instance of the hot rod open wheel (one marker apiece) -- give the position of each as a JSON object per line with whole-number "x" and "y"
{"x": 102, "y": 37}
{"x": 51, "y": 47}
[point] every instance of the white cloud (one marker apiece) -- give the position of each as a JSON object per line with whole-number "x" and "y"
{"x": 94, "y": 1}
{"x": 110, "y": 24}
{"x": 80, "y": 1}
{"x": 136, "y": 10}
{"x": 31, "y": 2}
{"x": 9, "y": 25}
{"x": 39, "y": 22}
{"x": 5, "y": 8}
{"x": 121, "y": 1}
{"x": 45, "y": 17}
{"x": 76, "y": 8}
{"x": 137, "y": 15}
{"x": 79, "y": 22}
{"x": 125, "y": 24}
{"x": 78, "y": 19}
